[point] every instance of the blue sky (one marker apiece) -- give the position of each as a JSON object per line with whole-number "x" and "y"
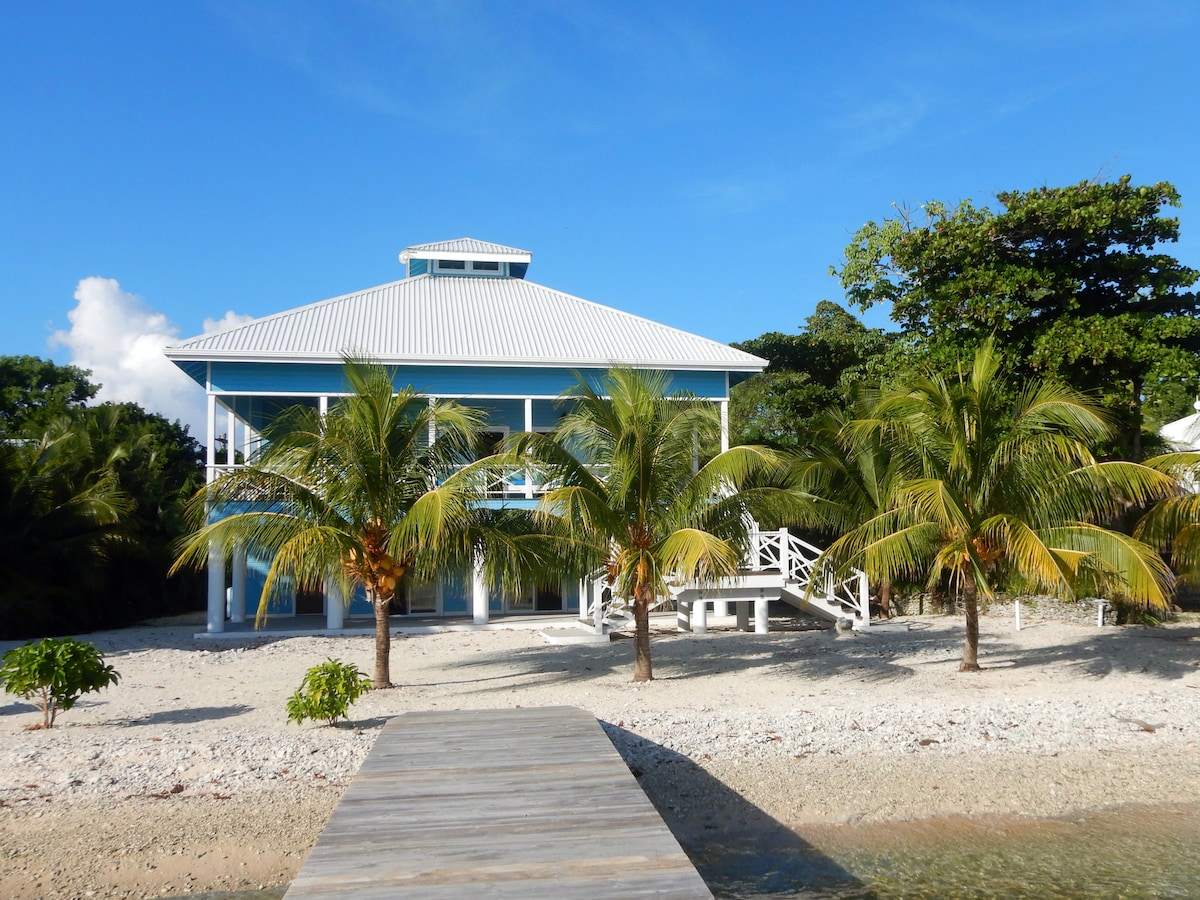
{"x": 699, "y": 163}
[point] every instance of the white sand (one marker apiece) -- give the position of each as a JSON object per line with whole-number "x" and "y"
{"x": 186, "y": 776}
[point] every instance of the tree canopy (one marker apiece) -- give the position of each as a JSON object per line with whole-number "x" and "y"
{"x": 808, "y": 374}
{"x": 35, "y": 391}
{"x": 1072, "y": 282}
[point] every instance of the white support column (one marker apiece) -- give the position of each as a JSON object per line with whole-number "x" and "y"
{"x": 720, "y": 607}
{"x": 432, "y": 428}
{"x": 762, "y": 617}
{"x": 598, "y": 608}
{"x": 700, "y": 615}
{"x": 323, "y": 405}
{"x": 230, "y": 438}
{"x": 528, "y": 428}
{"x": 785, "y": 554}
{"x": 585, "y": 598}
{"x": 479, "y": 594}
{"x": 211, "y": 443}
{"x": 683, "y": 614}
{"x": 335, "y": 606}
{"x": 216, "y": 589}
{"x": 237, "y": 595}
{"x": 724, "y": 407}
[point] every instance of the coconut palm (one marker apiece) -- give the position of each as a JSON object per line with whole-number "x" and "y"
{"x": 998, "y": 483}
{"x": 1173, "y": 524}
{"x": 848, "y": 472}
{"x": 355, "y": 498}
{"x": 631, "y": 495}
{"x": 61, "y": 508}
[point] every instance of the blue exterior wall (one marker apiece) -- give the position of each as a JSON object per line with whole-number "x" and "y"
{"x": 313, "y": 379}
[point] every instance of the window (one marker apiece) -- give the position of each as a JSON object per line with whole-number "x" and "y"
{"x": 465, "y": 267}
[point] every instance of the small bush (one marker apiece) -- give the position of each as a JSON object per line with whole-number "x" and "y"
{"x": 57, "y": 671}
{"x": 327, "y": 692}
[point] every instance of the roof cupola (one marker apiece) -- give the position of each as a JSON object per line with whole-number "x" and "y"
{"x": 466, "y": 256}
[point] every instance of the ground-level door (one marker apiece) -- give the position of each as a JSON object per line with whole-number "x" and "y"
{"x": 542, "y": 598}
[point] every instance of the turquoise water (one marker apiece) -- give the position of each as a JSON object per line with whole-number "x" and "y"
{"x": 1138, "y": 852}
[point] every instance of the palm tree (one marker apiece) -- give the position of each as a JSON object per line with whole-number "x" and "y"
{"x": 631, "y": 496}
{"x": 61, "y": 509}
{"x": 848, "y": 472}
{"x": 995, "y": 483}
{"x": 358, "y": 497}
{"x": 1173, "y": 524}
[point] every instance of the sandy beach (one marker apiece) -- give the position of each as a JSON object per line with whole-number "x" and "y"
{"x": 186, "y": 777}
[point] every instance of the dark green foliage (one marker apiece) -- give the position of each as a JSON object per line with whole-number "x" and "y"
{"x": 57, "y": 671}
{"x": 91, "y": 503}
{"x": 808, "y": 373}
{"x": 60, "y": 511}
{"x": 34, "y": 391}
{"x": 1071, "y": 281}
{"x": 327, "y": 692}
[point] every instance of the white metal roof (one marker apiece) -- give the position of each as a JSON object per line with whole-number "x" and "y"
{"x": 456, "y": 320}
{"x": 466, "y": 248}
{"x": 1183, "y": 434}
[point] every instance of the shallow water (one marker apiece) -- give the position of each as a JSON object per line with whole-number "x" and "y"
{"x": 1133, "y": 852}
{"x": 1130, "y": 852}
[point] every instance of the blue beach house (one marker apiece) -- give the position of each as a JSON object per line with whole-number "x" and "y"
{"x": 464, "y": 324}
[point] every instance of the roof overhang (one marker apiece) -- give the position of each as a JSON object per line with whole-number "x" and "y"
{"x": 181, "y": 355}
{"x": 467, "y": 255}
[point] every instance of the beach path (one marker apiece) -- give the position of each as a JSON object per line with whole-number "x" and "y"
{"x": 524, "y": 802}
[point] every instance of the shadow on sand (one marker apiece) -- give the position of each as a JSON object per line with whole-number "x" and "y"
{"x": 739, "y": 850}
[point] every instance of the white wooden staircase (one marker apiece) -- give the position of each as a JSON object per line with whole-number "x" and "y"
{"x": 778, "y": 566}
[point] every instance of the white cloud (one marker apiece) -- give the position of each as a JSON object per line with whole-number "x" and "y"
{"x": 230, "y": 320}
{"x": 121, "y": 339}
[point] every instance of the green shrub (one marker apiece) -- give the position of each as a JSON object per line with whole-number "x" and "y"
{"x": 57, "y": 671}
{"x": 327, "y": 692}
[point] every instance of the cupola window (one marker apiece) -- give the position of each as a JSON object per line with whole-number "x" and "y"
{"x": 467, "y": 267}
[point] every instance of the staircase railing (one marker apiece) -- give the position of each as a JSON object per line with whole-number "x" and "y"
{"x": 799, "y": 562}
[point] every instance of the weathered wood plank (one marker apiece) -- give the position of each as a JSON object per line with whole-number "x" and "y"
{"x": 495, "y": 803}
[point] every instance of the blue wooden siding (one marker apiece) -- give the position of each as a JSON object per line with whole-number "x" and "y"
{"x": 417, "y": 267}
{"x": 313, "y": 379}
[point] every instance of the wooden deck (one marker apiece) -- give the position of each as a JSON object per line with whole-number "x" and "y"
{"x": 495, "y": 803}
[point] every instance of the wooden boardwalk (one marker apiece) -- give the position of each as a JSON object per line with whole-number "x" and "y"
{"x": 495, "y": 803}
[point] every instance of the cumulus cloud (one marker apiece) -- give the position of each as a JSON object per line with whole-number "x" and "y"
{"x": 121, "y": 339}
{"x": 226, "y": 322}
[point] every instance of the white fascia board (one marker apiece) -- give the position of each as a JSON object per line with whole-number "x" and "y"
{"x": 466, "y": 256}
{"x": 463, "y": 361}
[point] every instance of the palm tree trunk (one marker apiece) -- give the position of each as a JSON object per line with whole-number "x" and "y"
{"x": 642, "y": 668}
{"x": 970, "y": 596}
{"x": 885, "y": 597}
{"x": 383, "y": 641}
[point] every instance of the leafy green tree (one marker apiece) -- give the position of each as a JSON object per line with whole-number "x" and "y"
{"x": 357, "y": 498}
{"x": 633, "y": 497}
{"x": 57, "y": 672}
{"x": 61, "y": 508}
{"x": 34, "y": 392}
{"x": 990, "y": 487}
{"x": 1071, "y": 281}
{"x": 807, "y": 374}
